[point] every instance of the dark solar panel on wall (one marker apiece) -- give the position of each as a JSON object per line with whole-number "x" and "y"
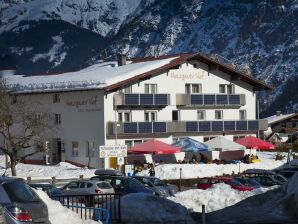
{"x": 146, "y": 99}
{"x": 209, "y": 99}
{"x": 229, "y": 126}
{"x": 130, "y": 127}
{"x": 196, "y": 99}
{"x": 217, "y": 125}
{"x": 161, "y": 99}
{"x": 253, "y": 125}
{"x": 145, "y": 127}
{"x": 241, "y": 125}
{"x": 204, "y": 126}
{"x": 192, "y": 126}
{"x": 222, "y": 99}
{"x": 159, "y": 127}
{"x": 234, "y": 99}
{"x": 131, "y": 99}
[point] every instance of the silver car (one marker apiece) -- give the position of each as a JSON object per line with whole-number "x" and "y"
{"x": 87, "y": 187}
{"x": 20, "y": 204}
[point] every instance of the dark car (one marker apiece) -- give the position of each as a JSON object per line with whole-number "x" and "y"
{"x": 125, "y": 185}
{"x": 248, "y": 182}
{"x": 19, "y": 203}
{"x": 288, "y": 172}
{"x": 266, "y": 178}
{"x": 205, "y": 183}
{"x": 50, "y": 189}
{"x": 157, "y": 185}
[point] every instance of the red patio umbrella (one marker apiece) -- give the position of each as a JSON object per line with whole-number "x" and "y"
{"x": 252, "y": 142}
{"x": 154, "y": 147}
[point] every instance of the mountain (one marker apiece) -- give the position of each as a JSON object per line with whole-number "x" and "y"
{"x": 64, "y": 35}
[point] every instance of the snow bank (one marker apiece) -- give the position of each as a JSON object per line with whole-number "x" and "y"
{"x": 145, "y": 208}
{"x": 215, "y": 198}
{"x": 172, "y": 171}
{"x": 59, "y": 214}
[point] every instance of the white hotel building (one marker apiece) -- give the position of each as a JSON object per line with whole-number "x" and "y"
{"x": 131, "y": 101}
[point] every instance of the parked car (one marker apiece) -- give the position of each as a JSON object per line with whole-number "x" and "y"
{"x": 125, "y": 185}
{"x": 288, "y": 172}
{"x": 108, "y": 172}
{"x": 248, "y": 182}
{"x": 20, "y": 204}
{"x": 266, "y": 178}
{"x": 157, "y": 185}
{"x": 205, "y": 183}
{"x": 87, "y": 187}
{"x": 50, "y": 189}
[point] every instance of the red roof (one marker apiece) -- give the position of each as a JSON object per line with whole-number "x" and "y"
{"x": 154, "y": 147}
{"x": 252, "y": 142}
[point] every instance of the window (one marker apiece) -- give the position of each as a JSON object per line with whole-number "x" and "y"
{"x": 129, "y": 144}
{"x": 57, "y": 118}
{"x": 132, "y": 143}
{"x": 218, "y": 115}
{"x": 226, "y": 88}
{"x": 242, "y": 114}
{"x": 207, "y": 138}
{"x": 124, "y": 116}
{"x": 56, "y": 98}
{"x": 90, "y": 149}
{"x": 127, "y": 89}
{"x": 150, "y": 88}
{"x": 175, "y": 115}
{"x": 193, "y": 88}
{"x": 237, "y": 137}
{"x": 75, "y": 148}
{"x": 201, "y": 115}
{"x": 150, "y": 116}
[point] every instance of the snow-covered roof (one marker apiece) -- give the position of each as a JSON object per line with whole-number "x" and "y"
{"x": 273, "y": 119}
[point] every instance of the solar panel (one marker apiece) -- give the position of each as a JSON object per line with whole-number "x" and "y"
{"x": 209, "y": 99}
{"x": 196, "y": 99}
{"x": 234, "y": 99}
{"x": 221, "y": 99}
{"x": 131, "y": 99}
{"x": 217, "y": 125}
{"x": 241, "y": 125}
{"x": 229, "y": 126}
{"x": 204, "y": 126}
{"x": 130, "y": 127}
{"x": 253, "y": 125}
{"x": 192, "y": 126}
{"x": 146, "y": 99}
{"x": 161, "y": 99}
{"x": 145, "y": 127}
{"x": 160, "y": 127}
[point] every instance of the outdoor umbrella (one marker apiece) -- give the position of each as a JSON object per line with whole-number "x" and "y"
{"x": 154, "y": 147}
{"x": 252, "y": 142}
{"x": 190, "y": 145}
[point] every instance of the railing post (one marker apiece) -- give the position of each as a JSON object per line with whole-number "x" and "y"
{"x": 203, "y": 215}
{"x": 180, "y": 179}
{"x": 28, "y": 180}
{"x": 81, "y": 177}
{"x": 53, "y": 180}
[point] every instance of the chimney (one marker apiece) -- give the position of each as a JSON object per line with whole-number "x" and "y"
{"x": 278, "y": 113}
{"x": 121, "y": 59}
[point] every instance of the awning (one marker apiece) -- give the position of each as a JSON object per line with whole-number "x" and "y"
{"x": 252, "y": 142}
{"x": 190, "y": 145}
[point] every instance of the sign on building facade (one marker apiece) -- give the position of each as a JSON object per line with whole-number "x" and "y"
{"x": 108, "y": 151}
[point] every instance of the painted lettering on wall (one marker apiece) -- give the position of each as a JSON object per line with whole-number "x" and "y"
{"x": 79, "y": 103}
{"x": 182, "y": 75}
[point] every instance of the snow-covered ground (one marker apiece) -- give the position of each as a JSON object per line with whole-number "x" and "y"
{"x": 59, "y": 214}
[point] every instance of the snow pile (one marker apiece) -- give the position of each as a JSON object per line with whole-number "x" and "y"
{"x": 172, "y": 171}
{"x": 59, "y": 214}
{"x": 215, "y": 198}
{"x": 146, "y": 208}
{"x": 277, "y": 206}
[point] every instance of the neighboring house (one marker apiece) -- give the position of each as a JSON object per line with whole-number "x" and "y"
{"x": 134, "y": 100}
{"x": 277, "y": 137}
{"x": 282, "y": 123}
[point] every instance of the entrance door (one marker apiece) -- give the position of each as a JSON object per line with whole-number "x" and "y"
{"x": 175, "y": 115}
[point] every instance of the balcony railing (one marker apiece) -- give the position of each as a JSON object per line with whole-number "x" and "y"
{"x": 168, "y": 127}
{"x": 210, "y": 100}
{"x": 142, "y": 99}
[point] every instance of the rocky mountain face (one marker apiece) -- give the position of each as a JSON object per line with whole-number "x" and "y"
{"x": 52, "y": 36}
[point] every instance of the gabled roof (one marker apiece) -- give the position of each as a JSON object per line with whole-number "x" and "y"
{"x": 275, "y": 119}
{"x": 109, "y": 77}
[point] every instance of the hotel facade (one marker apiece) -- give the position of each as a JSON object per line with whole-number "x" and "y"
{"x": 130, "y": 101}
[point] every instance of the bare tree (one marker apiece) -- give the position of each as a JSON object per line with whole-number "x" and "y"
{"x": 24, "y": 126}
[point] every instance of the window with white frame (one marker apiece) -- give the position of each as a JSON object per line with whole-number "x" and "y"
{"x": 193, "y": 88}
{"x": 127, "y": 89}
{"x": 218, "y": 115}
{"x": 150, "y": 116}
{"x": 75, "y": 149}
{"x": 56, "y": 98}
{"x": 150, "y": 88}
{"x": 132, "y": 143}
{"x": 124, "y": 116}
{"x": 242, "y": 114}
{"x": 237, "y": 137}
{"x": 201, "y": 114}
{"x": 207, "y": 138}
{"x": 226, "y": 88}
{"x": 90, "y": 149}
{"x": 57, "y": 118}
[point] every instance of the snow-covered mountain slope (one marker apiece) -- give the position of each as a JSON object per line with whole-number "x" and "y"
{"x": 261, "y": 35}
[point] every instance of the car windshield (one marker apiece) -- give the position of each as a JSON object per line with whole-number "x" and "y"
{"x": 279, "y": 178}
{"x": 253, "y": 182}
{"x": 157, "y": 182}
{"x": 131, "y": 182}
{"x": 241, "y": 180}
{"x": 235, "y": 183}
{"x": 19, "y": 191}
